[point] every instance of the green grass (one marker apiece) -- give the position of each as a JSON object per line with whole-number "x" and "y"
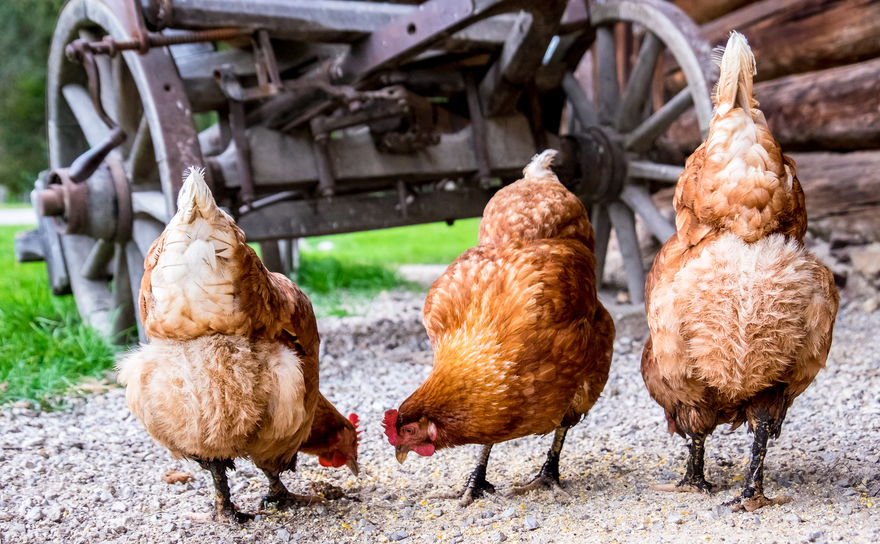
{"x": 341, "y": 273}
{"x": 44, "y": 347}
{"x": 14, "y": 205}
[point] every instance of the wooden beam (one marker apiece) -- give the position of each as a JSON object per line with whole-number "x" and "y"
{"x": 702, "y": 11}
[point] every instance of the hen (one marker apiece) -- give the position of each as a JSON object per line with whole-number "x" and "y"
{"x": 740, "y": 313}
{"x": 521, "y": 343}
{"x": 231, "y": 369}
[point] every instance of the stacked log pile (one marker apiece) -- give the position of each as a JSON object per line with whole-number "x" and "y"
{"x": 819, "y": 87}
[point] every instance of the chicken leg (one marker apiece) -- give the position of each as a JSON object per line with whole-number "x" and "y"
{"x": 279, "y": 494}
{"x": 476, "y": 485}
{"x": 224, "y": 505}
{"x": 753, "y": 496}
{"x": 548, "y": 477}
{"x": 694, "y": 478}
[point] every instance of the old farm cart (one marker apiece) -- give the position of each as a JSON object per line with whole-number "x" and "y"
{"x": 328, "y": 116}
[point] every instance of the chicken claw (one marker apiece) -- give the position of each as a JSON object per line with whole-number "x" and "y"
{"x": 548, "y": 478}
{"x": 686, "y": 486}
{"x": 757, "y": 501}
{"x": 286, "y": 499}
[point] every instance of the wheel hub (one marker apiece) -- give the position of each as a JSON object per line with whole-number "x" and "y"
{"x": 594, "y": 164}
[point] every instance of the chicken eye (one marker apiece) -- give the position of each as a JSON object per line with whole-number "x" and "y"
{"x": 408, "y": 430}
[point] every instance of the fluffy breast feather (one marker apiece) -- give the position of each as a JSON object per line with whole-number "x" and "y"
{"x": 215, "y": 396}
{"x": 740, "y": 316}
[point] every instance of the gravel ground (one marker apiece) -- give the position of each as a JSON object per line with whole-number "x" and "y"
{"x": 92, "y": 474}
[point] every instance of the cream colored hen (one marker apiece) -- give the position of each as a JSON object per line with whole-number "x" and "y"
{"x": 231, "y": 369}
{"x": 740, "y": 313}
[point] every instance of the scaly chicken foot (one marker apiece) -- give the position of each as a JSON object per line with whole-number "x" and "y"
{"x": 281, "y": 497}
{"x": 548, "y": 477}
{"x": 694, "y": 477}
{"x": 224, "y": 506}
{"x": 753, "y": 496}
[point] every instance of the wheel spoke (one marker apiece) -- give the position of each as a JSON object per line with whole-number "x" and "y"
{"x": 95, "y": 265}
{"x": 135, "y": 261}
{"x": 93, "y": 127}
{"x": 128, "y": 111}
{"x": 638, "y": 198}
{"x": 584, "y": 109}
{"x": 624, "y": 223}
{"x": 668, "y": 173}
{"x": 644, "y": 135}
{"x": 609, "y": 86}
{"x": 151, "y": 204}
{"x": 123, "y": 303}
{"x": 140, "y": 165}
{"x": 639, "y": 85}
{"x": 602, "y": 229}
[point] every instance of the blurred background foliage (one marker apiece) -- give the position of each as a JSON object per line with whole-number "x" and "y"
{"x": 26, "y": 28}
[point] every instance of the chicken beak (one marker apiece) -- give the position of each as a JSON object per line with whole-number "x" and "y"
{"x": 401, "y": 453}
{"x": 352, "y": 465}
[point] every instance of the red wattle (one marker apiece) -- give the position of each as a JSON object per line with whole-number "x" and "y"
{"x": 425, "y": 450}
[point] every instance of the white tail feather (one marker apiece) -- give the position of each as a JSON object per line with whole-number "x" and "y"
{"x": 734, "y": 88}
{"x": 540, "y": 165}
{"x": 194, "y": 194}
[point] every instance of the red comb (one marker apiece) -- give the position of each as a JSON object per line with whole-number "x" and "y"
{"x": 390, "y": 423}
{"x": 353, "y": 417}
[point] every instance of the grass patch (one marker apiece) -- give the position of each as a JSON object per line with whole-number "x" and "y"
{"x": 342, "y": 272}
{"x": 14, "y": 206}
{"x": 45, "y": 347}
{"x": 433, "y": 243}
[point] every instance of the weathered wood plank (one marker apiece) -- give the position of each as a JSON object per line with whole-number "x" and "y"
{"x": 702, "y": 11}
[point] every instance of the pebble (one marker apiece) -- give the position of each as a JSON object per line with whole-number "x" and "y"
{"x": 608, "y": 473}
{"x": 499, "y": 536}
{"x": 398, "y": 535}
{"x": 437, "y": 512}
{"x": 34, "y": 514}
{"x": 119, "y": 506}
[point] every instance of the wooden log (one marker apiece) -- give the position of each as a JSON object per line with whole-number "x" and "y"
{"x": 840, "y": 190}
{"x": 835, "y": 109}
{"x": 796, "y": 36}
{"x": 702, "y": 11}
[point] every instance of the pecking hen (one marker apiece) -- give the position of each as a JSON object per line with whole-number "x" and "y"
{"x": 231, "y": 369}
{"x": 521, "y": 343}
{"x": 740, "y": 313}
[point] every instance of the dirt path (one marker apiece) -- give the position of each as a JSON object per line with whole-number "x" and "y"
{"x": 92, "y": 474}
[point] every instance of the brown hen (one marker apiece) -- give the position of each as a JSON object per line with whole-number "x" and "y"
{"x": 231, "y": 369}
{"x": 740, "y": 313}
{"x": 521, "y": 343}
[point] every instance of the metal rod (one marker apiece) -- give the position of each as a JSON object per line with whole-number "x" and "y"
{"x": 478, "y": 130}
{"x": 644, "y": 135}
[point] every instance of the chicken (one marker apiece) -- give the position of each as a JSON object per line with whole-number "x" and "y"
{"x": 231, "y": 369}
{"x": 521, "y": 343}
{"x": 740, "y": 313}
{"x": 333, "y": 438}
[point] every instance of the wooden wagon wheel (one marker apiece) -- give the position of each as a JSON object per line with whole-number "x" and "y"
{"x": 110, "y": 219}
{"x": 624, "y": 125}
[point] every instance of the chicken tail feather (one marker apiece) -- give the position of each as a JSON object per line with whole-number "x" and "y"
{"x": 734, "y": 88}
{"x": 195, "y": 196}
{"x": 540, "y": 165}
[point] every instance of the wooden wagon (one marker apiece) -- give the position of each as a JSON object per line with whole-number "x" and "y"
{"x": 327, "y": 116}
